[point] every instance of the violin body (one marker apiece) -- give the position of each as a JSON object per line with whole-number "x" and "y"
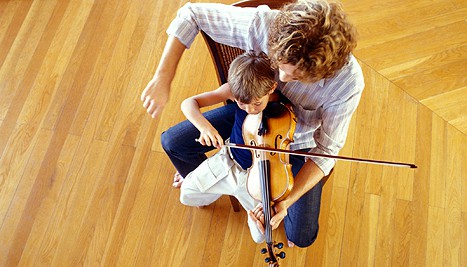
{"x": 278, "y": 134}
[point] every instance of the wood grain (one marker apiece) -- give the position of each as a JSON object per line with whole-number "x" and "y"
{"x": 84, "y": 180}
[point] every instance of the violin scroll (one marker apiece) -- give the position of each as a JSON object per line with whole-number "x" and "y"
{"x": 273, "y": 257}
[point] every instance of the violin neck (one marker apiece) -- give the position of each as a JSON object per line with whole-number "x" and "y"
{"x": 266, "y": 198}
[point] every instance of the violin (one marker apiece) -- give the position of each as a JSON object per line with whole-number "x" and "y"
{"x": 270, "y": 178}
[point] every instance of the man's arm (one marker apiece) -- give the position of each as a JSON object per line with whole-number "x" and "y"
{"x": 156, "y": 93}
{"x": 224, "y": 23}
{"x": 308, "y": 176}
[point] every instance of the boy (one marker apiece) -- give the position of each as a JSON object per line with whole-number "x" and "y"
{"x": 251, "y": 85}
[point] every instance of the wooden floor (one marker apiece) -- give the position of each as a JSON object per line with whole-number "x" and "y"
{"x": 84, "y": 182}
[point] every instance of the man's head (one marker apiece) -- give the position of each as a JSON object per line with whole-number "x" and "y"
{"x": 251, "y": 80}
{"x": 310, "y": 40}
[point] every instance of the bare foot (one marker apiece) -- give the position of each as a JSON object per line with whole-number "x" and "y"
{"x": 178, "y": 180}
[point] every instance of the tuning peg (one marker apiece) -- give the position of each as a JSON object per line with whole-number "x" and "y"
{"x": 279, "y": 245}
{"x": 264, "y": 251}
{"x": 267, "y": 260}
{"x": 281, "y": 255}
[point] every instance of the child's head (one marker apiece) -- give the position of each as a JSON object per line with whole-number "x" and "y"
{"x": 314, "y": 36}
{"x": 251, "y": 80}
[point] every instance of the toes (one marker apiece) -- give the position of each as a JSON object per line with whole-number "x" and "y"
{"x": 177, "y": 177}
{"x": 178, "y": 180}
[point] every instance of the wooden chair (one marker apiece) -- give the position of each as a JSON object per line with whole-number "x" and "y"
{"x": 222, "y": 55}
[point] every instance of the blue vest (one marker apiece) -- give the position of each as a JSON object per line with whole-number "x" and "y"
{"x": 241, "y": 156}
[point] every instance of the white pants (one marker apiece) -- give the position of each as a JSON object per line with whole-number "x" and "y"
{"x": 216, "y": 176}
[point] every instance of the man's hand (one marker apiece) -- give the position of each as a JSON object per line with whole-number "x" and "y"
{"x": 156, "y": 95}
{"x": 280, "y": 210}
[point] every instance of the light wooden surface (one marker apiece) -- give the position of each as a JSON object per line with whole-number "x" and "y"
{"x": 83, "y": 179}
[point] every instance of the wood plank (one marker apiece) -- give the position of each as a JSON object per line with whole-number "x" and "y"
{"x": 453, "y": 214}
{"x": 80, "y": 66}
{"x": 413, "y": 17}
{"x": 419, "y": 205}
{"x": 438, "y": 175}
{"x": 12, "y": 165}
{"x": 127, "y": 44}
{"x": 435, "y": 236}
{"x": 402, "y": 231}
{"x": 450, "y": 106}
{"x": 215, "y": 242}
{"x": 46, "y": 85}
{"x": 84, "y": 180}
{"x": 100, "y": 75}
{"x": 12, "y": 19}
{"x": 156, "y": 225}
{"x": 407, "y": 48}
{"x": 46, "y": 216}
{"x": 442, "y": 79}
{"x": 406, "y": 122}
{"x": 73, "y": 207}
{"x": 16, "y": 210}
{"x": 464, "y": 238}
{"x": 424, "y": 64}
{"x": 335, "y": 227}
{"x": 28, "y": 61}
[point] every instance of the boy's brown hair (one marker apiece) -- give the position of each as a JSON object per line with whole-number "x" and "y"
{"x": 313, "y": 35}
{"x": 251, "y": 76}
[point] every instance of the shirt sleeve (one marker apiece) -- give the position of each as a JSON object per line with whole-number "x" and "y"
{"x": 245, "y": 28}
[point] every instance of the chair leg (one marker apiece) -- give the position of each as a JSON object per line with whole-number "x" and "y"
{"x": 235, "y": 203}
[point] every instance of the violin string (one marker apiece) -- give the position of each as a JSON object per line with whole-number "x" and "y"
{"x": 266, "y": 193}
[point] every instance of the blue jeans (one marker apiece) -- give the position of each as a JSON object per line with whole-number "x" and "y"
{"x": 179, "y": 141}
{"x": 301, "y": 223}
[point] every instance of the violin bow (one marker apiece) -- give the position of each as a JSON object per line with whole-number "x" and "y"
{"x": 317, "y": 155}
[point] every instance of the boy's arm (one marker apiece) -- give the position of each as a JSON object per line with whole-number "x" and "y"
{"x": 191, "y": 108}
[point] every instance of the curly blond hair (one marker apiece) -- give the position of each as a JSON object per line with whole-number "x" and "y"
{"x": 315, "y": 36}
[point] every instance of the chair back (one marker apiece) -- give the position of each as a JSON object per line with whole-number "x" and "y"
{"x": 222, "y": 55}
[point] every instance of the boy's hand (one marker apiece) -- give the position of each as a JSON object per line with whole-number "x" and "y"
{"x": 210, "y": 138}
{"x": 257, "y": 216}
